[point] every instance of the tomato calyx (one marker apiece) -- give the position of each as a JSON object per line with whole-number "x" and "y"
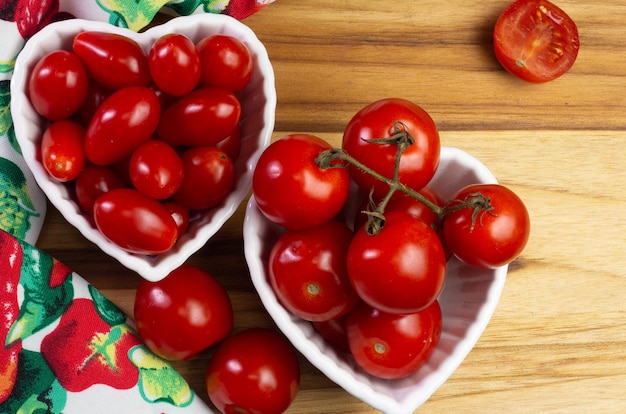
{"x": 476, "y": 201}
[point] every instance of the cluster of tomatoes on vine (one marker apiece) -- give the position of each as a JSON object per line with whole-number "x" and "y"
{"x": 135, "y": 134}
{"x": 369, "y": 278}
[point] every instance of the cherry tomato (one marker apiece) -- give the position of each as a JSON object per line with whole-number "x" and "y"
{"x": 231, "y": 145}
{"x": 383, "y": 119}
{"x": 135, "y": 222}
{"x": 57, "y": 86}
{"x": 209, "y": 177}
{"x": 124, "y": 120}
{"x": 202, "y": 117}
{"x": 180, "y": 215}
{"x": 535, "y": 40}
{"x": 182, "y": 314}
{"x": 62, "y": 151}
{"x": 393, "y": 346}
{"x": 490, "y": 231}
{"x": 92, "y": 182}
{"x": 174, "y": 64}
{"x": 307, "y": 270}
{"x": 226, "y": 62}
{"x": 292, "y": 190}
{"x": 400, "y": 269}
{"x": 114, "y": 61}
{"x": 156, "y": 169}
{"x": 253, "y": 371}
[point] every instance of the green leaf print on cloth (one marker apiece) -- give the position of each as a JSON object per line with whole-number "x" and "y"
{"x": 16, "y": 206}
{"x": 134, "y": 15}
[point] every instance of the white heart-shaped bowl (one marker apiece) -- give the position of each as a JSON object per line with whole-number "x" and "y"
{"x": 258, "y": 101}
{"x": 468, "y": 300}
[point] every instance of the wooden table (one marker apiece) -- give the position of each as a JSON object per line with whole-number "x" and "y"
{"x": 557, "y": 341}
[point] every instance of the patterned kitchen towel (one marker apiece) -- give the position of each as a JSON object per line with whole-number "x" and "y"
{"x": 22, "y": 204}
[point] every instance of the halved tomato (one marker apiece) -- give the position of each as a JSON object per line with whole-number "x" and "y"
{"x": 535, "y": 40}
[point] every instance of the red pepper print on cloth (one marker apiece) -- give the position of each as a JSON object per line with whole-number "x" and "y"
{"x": 60, "y": 337}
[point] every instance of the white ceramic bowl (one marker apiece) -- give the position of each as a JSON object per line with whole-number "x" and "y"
{"x": 258, "y": 102}
{"x": 468, "y": 300}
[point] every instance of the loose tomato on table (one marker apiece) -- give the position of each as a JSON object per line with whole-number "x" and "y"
{"x": 253, "y": 371}
{"x": 393, "y": 346}
{"x": 292, "y": 190}
{"x": 490, "y": 228}
{"x": 182, "y": 314}
{"x": 307, "y": 270}
{"x": 384, "y": 119}
{"x": 535, "y": 40}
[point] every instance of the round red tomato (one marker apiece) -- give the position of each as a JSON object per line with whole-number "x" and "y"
{"x": 62, "y": 151}
{"x": 182, "y": 314}
{"x": 92, "y": 182}
{"x": 209, "y": 177}
{"x": 114, "y": 61}
{"x": 226, "y": 62}
{"x": 492, "y": 228}
{"x": 202, "y": 117}
{"x": 156, "y": 169}
{"x": 174, "y": 64}
{"x": 57, "y": 86}
{"x": 393, "y": 346}
{"x": 383, "y": 119}
{"x": 307, "y": 270}
{"x": 535, "y": 40}
{"x": 401, "y": 269}
{"x": 135, "y": 222}
{"x": 124, "y": 120}
{"x": 253, "y": 371}
{"x": 292, "y": 190}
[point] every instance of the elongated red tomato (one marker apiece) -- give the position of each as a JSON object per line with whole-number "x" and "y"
{"x": 535, "y": 40}
{"x": 135, "y": 222}
{"x": 124, "y": 120}
{"x": 113, "y": 60}
{"x": 203, "y": 117}
{"x": 174, "y": 64}
{"x": 226, "y": 62}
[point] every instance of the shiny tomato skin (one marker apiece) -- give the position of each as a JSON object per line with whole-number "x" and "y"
{"x": 125, "y": 119}
{"x": 57, "y": 86}
{"x": 182, "y": 314}
{"x": 202, "y": 117}
{"x": 498, "y": 236}
{"x": 62, "y": 150}
{"x": 134, "y": 222}
{"x": 180, "y": 215}
{"x": 535, "y": 40}
{"x": 393, "y": 346}
{"x": 92, "y": 182}
{"x": 226, "y": 62}
{"x": 174, "y": 64}
{"x": 379, "y": 119}
{"x": 209, "y": 177}
{"x": 399, "y": 270}
{"x": 156, "y": 169}
{"x": 114, "y": 61}
{"x": 231, "y": 145}
{"x": 292, "y": 190}
{"x": 307, "y": 271}
{"x": 253, "y": 371}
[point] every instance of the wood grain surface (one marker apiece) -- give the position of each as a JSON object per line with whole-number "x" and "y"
{"x": 557, "y": 340}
